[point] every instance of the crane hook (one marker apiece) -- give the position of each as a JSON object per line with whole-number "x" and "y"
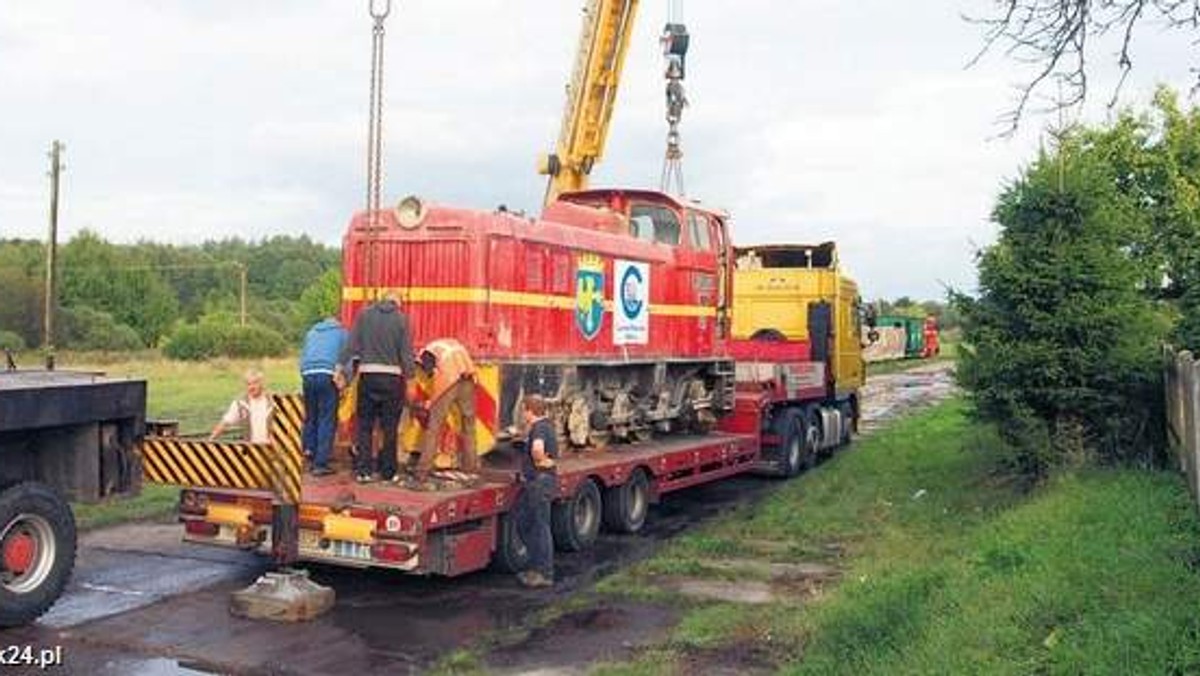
{"x": 378, "y": 15}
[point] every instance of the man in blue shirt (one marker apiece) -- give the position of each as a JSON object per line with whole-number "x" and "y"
{"x": 318, "y": 365}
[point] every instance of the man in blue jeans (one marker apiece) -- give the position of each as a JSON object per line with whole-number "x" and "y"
{"x": 318, "y": 366}
{"x": 539, "y": 486}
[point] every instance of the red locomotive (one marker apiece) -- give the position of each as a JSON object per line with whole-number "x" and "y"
{"x": 614, "y": 304}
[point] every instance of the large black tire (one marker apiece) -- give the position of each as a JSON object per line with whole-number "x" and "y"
{"x": 847, "y": 410}
{"x": 37, "y": 529}
{"x": 576, "y": 520}
{"x": 511, "y": 555}
{"x": 626, "y": 506}
{"x": 789, "y": 427}
{"x": 799, "y": 436}
{"x": 813, "y": 435}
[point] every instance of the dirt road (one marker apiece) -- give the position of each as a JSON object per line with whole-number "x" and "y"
{"x": 142, "y": 603}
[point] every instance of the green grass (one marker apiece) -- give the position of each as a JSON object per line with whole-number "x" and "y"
{"x": 195, "y": 394}
{"x": 153, "y": 503}
{"x": 1090, "y": 573}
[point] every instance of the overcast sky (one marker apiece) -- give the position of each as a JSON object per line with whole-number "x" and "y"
{"x": 810, "y": 120}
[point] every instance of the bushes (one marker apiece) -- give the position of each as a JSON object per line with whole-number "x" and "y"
{"x": 208, "y": 339}
{"x": 1063, "y": 344}
{"x": 11, "y": 341}
{"x": 85, "y": 328}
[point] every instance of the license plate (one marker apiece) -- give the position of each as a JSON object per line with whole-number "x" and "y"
{"x": 310, "y": 539}
{"x": 350, "y": 550}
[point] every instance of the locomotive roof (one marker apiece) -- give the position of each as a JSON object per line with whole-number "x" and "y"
{"x": 649, "y": 195}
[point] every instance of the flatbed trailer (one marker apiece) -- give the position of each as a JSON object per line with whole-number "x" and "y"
{"x": 785, "y": 416}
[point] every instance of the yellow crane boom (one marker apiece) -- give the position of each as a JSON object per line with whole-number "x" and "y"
{"x": 591, "y": 96}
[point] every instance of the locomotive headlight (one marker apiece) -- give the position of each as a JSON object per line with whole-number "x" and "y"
{"x": 410, "y": 212}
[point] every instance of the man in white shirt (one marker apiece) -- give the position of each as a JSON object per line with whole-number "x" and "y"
{"x": 252, "y": 412}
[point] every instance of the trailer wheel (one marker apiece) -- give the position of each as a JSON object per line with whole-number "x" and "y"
{"x": 37, "y": 551}
{"x": 576, "y": 520}
{"x": 511, "y": 555}
{"x": 626, "y": 506}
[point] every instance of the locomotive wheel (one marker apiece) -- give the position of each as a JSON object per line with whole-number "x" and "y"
{"x": 576, "y": 520}
{"x": 37, "y": 551}
{"x": 626, "y": 506}
{"x": 511, "y": 555}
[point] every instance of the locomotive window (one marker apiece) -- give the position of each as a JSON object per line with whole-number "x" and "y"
{"x": 698, "y": 229}
{"x": 642, "y": 227}
{"x": 665, "y": 221}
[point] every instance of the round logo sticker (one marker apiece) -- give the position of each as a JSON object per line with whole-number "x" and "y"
{"x": 631, "y": 292}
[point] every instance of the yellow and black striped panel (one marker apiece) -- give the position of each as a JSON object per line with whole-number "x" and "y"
{"x": 219, "y": 464}
{"x": 287, "y": 423}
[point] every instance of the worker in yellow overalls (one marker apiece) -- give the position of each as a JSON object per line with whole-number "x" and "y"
{"x": 452, "y": 375}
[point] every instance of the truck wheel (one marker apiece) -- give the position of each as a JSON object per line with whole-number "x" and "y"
{"x": 799, "y": 438}
{"x": 576, "y": 520}
{"x": 37, "y": 551}
{"x": 626, "y": 506}
{"x": 847, "y": 421}
{"x": 511, "y": 555}
{"x": 790, "y": 428}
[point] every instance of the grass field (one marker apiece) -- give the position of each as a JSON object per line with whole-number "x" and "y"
{"x": 195, "y": 394}
{"x": 944, "y": 568}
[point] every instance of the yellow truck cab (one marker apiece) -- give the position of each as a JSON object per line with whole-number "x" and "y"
{"x": 794, "y": 291}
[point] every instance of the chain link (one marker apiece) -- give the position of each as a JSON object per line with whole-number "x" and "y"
{"x": 375, "y": 139}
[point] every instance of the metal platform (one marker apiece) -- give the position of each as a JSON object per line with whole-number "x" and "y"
{"x": 39, "y": 399}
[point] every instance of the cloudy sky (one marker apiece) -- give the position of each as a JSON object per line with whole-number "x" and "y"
{"x": 810, "y": 120}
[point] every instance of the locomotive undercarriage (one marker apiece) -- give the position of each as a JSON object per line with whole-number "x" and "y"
{"x": 599, "y": 404}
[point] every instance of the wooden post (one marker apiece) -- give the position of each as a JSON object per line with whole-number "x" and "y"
{"x": 1191, "y": 415}
{"x": 52, "y": 256}
{"x": 242, "y": 295}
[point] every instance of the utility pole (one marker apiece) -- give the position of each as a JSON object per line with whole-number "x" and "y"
{"x": 51, "y": 256}
{"x": 242, "y": 274}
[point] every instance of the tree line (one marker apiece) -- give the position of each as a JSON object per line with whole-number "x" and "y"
{"x": 128, "y": 296}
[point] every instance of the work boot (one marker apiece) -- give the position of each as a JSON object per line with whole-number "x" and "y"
{"x": 533, "y": 579}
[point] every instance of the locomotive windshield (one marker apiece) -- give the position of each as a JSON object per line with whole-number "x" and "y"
{"x": 653, "y": 222}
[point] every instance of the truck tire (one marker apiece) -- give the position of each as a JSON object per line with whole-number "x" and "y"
{"x": 37, "y": 551}
{"x": 847, "y": 410}
{"x": 511, "y": 555}
{"x": 576, "y": 520}
{"x": 799, "y": 438}
{"x": 626, "y": 506}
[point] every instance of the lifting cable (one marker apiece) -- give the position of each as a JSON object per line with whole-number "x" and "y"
{"x": 375, "y": 142}
{"x": 674, "y": 42}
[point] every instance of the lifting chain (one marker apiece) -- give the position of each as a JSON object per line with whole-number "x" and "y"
{"x": 674, "y": 41}
{"x": 379, "y": 10}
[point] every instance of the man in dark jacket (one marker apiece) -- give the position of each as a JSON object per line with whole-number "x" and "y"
{"x": 382, "y": 344}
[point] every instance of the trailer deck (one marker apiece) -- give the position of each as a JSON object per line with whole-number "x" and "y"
{"x": 455, "y": 531}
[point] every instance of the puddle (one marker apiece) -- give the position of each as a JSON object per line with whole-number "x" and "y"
{"x": 581, "y": 638}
